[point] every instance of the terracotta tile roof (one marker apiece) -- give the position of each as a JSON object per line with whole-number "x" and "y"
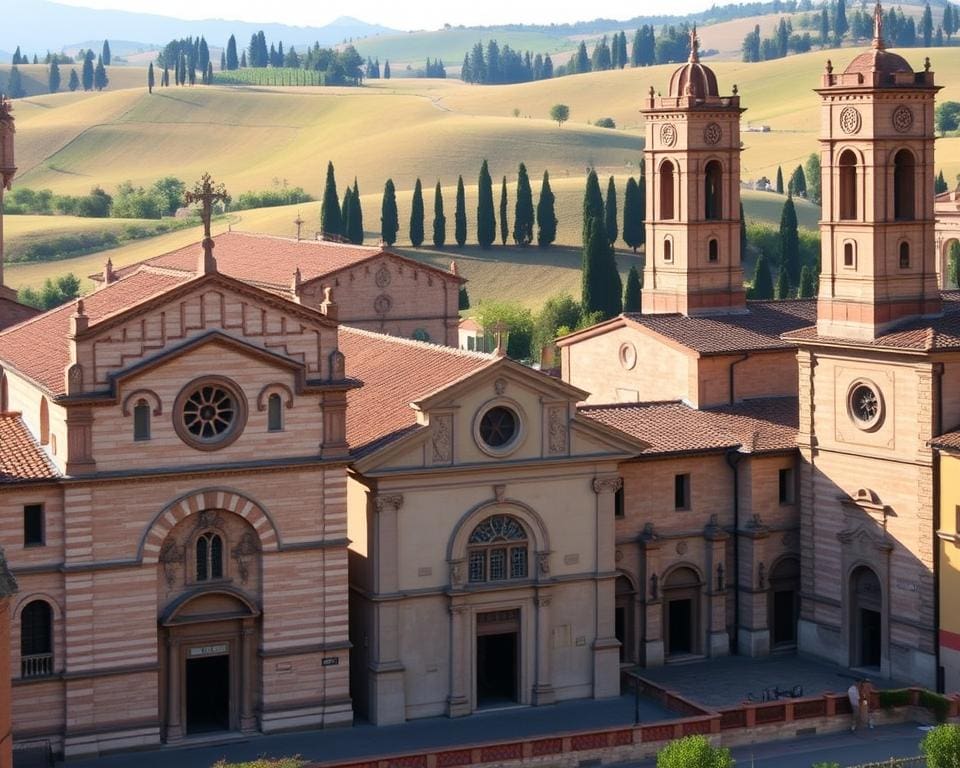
{"x": 21, "y": 457}
{"x": 753, "y": 426}
{"x": 948, "y": 441}
{"x": 939, "y": 334}
{"x": 39, "y": 349}
{"x": 268, "y": 261}
{"x": 395, "y": 372}
{"x": 13, "y": 312}
{"x": 757, "y": 329}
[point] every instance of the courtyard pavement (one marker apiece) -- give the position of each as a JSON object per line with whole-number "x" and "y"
{"x": 364, "y": 739}
{"x": 731, "y": 680}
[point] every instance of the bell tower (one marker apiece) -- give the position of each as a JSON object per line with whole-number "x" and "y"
{"x": 693, "y": 195}
{"x": 879, "y": 263}
{"x": 7, "y": 171}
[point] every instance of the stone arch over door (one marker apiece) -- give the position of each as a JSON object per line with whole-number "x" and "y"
{"x": 224, "y": 499}
{"x": 867, "y": 618}
{"x": 682, "y": 609}
{"x": 783, "y": 602}
{"x": 625, "y": 616}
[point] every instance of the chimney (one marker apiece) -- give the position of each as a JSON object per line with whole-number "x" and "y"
{"x": 79, "y": 322}
{"x": 109, "y": 276}
{"x": 295, "y": 285}
{"x": 454, "y": 269}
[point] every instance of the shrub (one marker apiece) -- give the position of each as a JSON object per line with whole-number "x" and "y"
{"x": 605, "y": 122}
{"x": 263, "y": 762}
{"x": 53, "y": 294}
{"x": 694, "y": 752}
{"x": 941, "y": 746}
{"x": 896, "y": 698}
{"x": 270, "y": 198}
{"x": 940, "y": 706}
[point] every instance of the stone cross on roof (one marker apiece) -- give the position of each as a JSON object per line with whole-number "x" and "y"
{"x": 206, "y": 192}
{"x": 878, "y": 27}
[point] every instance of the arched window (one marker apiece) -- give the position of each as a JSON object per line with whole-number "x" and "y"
{"x": 713, "y": 250}
{"x": 666, "y": 191}
{"x": 849, "y": 255}
{"x": 141, "y": 420}
{"x": 36, "y": 639}
{"x": 667, "y": 249}
{"x": 713, "y": 191}
{"x": 497, "y": 550}
{"x": 904, "y": 255}
{"x": 44, "y": 422}
{"x": 274, "y": 413}
{"x": 209, "y": 557}
{"x": 848, "y": 185}
{"x": 904, "y": 180}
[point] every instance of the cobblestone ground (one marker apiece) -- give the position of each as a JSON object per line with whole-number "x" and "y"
{"x": 730, "y": 680}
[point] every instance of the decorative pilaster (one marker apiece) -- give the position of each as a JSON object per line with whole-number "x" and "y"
{"x": 651, "y": 647}
{"x": 174, "y": 729}
{"x": 543, "y": 692}
{"x": 248, "y": 720}
{"x": 458, "y": 702}
{"x": 606, "y": 647}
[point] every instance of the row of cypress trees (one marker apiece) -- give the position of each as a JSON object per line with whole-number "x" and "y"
{"x": 345, "y": 220}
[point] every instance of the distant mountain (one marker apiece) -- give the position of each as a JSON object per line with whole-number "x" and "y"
{"x": 39, "y": 25}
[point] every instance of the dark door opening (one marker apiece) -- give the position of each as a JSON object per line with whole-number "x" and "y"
{"x": 208, "y": 694}
{"x": 680, "y": 630}
{"x": 869, "y": 638}
{"x": 620, "y": 629}
{"x": 784, "y": 617}
{"x": 496, "y": 669}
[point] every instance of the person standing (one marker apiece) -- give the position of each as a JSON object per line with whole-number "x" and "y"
{"x": 853, "y": 694}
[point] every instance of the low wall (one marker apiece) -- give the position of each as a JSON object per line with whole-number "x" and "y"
{"x": 731, "y": 726}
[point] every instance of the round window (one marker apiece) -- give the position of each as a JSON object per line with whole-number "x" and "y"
{"x": 866, "y": 405}
{"x": 628, "y": 355}
{"x": 498, "y": 427}
{"x": 209, "y": 414}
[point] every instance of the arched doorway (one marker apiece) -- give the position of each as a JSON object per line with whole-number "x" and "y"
{"x": 866, "y": 618}
{"x": 209, "y": 670}
{"x": 626, "y": 596}
{"x": 784, "y": 602}
{"x": 681, "y": 612}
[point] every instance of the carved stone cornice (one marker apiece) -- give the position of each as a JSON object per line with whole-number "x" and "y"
{"x": 388, "y": 501}
{"x": 607, "y": 484}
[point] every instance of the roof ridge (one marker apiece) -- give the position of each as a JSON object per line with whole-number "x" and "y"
{"x": 305, "y": 241}
{"x": 452, "y": 351}
{"x": 640, "y": 404}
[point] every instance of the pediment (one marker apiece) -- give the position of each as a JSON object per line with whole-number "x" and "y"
{"x": 863, "y": 538}
{"x": 209, "y": 309}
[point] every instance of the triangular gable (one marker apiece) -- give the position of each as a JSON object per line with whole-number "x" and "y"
{"x": 616, "y": 323}
{"x": 406, "y": 261}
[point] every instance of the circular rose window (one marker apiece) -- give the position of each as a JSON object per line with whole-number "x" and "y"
{"x": 209, "y": 413}
{"x": 865, "y": 405}
{"x": 498, "y": 426}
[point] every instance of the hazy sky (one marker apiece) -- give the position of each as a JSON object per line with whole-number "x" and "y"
{"x": 412, "y": 14}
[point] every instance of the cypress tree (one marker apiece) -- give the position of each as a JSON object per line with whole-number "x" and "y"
{"x": 463, "y": 298}
{"x": 389, "y": 219}
{"x": 105, "y": 54}
{"x": 782, "y": 288}
{"x": 74, "y": 82}
{"x": 223, "y": 61}
{"x": 165, "y": 79}
{"x": 789, "y": 242}
{"x": 523, "y": 211}
{"x": 601, "y": 289}
{"x": 150, "y": 80}
{"x": 209, "y": 77}
{"x": 87, "y": 77}
{"x": 592, "y": 205}
{"x": 355, "y": 229}
{"x": 460, "y": 215}
{"x": 610, "y": 211}
{"x": 386, "y": 69}
{"x": 15, "y": 84}
{"x": 779, "y": 180}
{"x": 632, "y": 216}
{"x": 232, "y": 62}
{"x": 53, "y": 79}
{"x": 416, "y": 216}
{"x": 439, "y": 220}
{"x": 331, "y": 222}
{"x": 762, "y": 280}
{"x": 798, "y": 183}
{"x": 940, "y": 184}
{"x": 345, "y": 212}
{"x": 808, "y": 288}
{"x": 504, "y": 224}
{"x": 17, "y": 58}
{"x": 486, "y": 218}
{"x": 631, "y": 295}
{"x": 100, "y": 78}
{"x": 546, "y": 214}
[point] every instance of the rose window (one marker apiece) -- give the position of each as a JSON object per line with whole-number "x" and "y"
{"x": 498, "y": 426}
{"x": 866, "y": 405}
{"x": 209, "y": 413}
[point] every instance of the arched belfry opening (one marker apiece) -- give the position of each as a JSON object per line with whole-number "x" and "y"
{"x": 904, "y": 186}
{"x": 848, "y": 191}
{"x": 713, "y": 191}
{"x": 667, "y": 191}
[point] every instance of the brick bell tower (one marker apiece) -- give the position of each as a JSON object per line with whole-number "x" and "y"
{"x": 693, "y": 195}
{"x": 879, "y": 265}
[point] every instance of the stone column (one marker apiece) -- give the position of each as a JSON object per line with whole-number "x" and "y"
{"x": 649, "y": 594}
{"x": 458, "y": 703}
{"x": 174, "y": 729}
{"x": 543, "y": 692}
{"x": 606, "y": 647}
{"x": 753, "y": 634}
{"x": 718, "y": 639}
{"x": 248, "y": 720}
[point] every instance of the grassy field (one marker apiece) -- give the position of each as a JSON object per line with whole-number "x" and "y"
{"x": 35, "y": 77}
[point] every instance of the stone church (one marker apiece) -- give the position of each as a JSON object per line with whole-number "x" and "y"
{"x": 235, "y": 498}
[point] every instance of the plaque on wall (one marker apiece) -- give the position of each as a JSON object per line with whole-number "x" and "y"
{"x": 850, "y": 120}
{"x": 902, "y": 118}
{"x": 668, "y": 134}
{"x": 712, "y": 133}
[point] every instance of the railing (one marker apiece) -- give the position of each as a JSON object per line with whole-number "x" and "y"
{"x": 36, "y": 665}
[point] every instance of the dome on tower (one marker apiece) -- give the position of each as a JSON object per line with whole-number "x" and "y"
{"x": 878, "y": 60}
{"x": 693, "y": 78}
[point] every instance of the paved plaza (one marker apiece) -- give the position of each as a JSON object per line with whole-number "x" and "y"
{"x": 731, "y": 680}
